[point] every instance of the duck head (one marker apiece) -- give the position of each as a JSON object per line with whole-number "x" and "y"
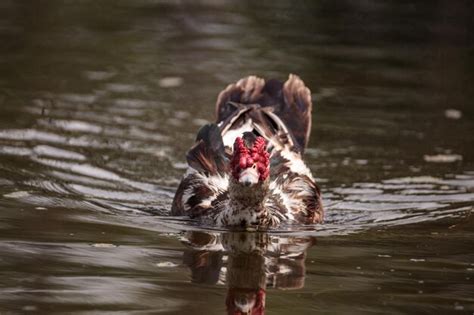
{"x": 250, "y": 163}
{"x": 249, "y": 181}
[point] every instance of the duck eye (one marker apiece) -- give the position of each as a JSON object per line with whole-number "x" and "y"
{"x": 254, "y": 166}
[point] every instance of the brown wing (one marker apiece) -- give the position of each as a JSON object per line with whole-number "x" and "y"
{"x": 200, "y": 195}
{"x": 245, "y": 91}
{"x": 207, "y": 154}
{"x": 290, "y": 102}
{"x": 207, "y": 157}
{"x": 296, "y": 109}
{"x": 294, "y": 191}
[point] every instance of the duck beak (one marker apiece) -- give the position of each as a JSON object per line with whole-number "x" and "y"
{"x": 249, "y": 177}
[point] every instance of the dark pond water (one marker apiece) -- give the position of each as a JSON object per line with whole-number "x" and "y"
{"x": 99, "y": 101}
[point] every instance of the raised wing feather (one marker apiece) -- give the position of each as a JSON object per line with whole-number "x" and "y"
{"x": 287, "y": 107}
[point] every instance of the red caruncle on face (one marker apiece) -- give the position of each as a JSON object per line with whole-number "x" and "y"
{"x": 244, "y": 158}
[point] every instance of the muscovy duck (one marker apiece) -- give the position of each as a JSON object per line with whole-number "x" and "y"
{"x": 247, "y": 169}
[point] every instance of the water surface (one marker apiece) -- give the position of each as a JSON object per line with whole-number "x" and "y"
{"x": 99, "y": 102}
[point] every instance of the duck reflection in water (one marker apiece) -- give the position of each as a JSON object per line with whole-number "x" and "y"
{"x": 248, "y": 263}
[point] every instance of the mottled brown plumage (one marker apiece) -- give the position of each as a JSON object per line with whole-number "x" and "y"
{"x": 281, "y": 114}
{"x": 290, "y": 101}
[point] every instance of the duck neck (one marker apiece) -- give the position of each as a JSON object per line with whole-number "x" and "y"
{"x": 245, "y": 204}
{"x": 248, "y": 196}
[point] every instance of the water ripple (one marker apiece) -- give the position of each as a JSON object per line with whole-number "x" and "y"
{"x": 46, "y": 150}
